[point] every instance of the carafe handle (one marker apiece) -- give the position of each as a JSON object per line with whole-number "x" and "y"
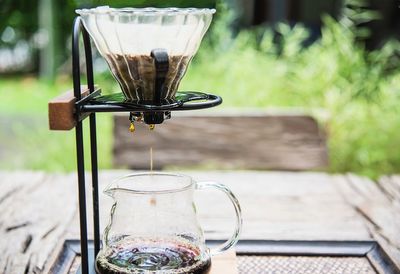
{"x": 235, "y": 236}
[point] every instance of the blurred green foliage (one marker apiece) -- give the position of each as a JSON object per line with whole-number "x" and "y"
{"x": 20, "y": 15}
{"x": 23, "y": 18}
{"x": 353, "y": 92}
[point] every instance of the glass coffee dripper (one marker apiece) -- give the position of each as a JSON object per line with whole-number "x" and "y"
{"x": 127, "y": 37}
{"x": 153, "y": 227}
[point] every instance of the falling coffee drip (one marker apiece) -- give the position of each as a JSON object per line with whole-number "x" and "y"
{"x": 136, "y": 75}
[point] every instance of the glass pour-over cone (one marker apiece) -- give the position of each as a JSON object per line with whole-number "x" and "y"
{"x": 125, "y": 38}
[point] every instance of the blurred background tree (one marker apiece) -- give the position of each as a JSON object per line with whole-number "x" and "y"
{"x": 35, "y": 34}
{"x": 44, "y": 27}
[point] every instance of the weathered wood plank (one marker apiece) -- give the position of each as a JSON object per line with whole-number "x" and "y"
{"x": 33, "y": 219}
{"x": 380, "y": 215}
{"x": 286, "y": 205}
{"x": 275, "y": 205}
{"x": 390, "y": 185}
{"x": 222, "y": 140}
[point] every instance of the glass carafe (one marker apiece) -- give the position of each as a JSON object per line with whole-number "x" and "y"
{"x": 153, "y": 227}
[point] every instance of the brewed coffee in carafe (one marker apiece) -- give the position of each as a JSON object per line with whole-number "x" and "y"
{"x": 163, "y": 255}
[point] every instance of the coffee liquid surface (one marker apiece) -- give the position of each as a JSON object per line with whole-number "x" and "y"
{"x": 136, "y": 75}
{"x": 152, "y": 256}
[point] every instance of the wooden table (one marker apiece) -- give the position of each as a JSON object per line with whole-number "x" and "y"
{"x": 39, "y": 210}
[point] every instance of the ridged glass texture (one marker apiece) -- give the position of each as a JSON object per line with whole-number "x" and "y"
{"x": 125, "y": 37}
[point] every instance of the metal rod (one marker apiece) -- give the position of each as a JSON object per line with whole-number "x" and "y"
{"x": 89, "y": 62}
{"x": 93, "y": 145}
{"x": 79, "y": 149}
{"x": 95, "y": 184}
{"x": 82, "y": 198}
{"x": 76, "y": 74}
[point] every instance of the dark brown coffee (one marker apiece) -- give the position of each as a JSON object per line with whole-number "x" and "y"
{"x": 157, "y": 256}
{"x": 136, "y": 75}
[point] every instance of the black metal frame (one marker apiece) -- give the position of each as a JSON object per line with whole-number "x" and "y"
{"x": 89, "y": 105}
{"x": 77, "y": 29}
{"x": 365, "y": 249}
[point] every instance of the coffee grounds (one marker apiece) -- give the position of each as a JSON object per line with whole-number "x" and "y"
{"x": 136, "y": 75}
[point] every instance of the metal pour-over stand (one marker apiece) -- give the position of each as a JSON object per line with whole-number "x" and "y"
{"x": 153, "y": 113}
